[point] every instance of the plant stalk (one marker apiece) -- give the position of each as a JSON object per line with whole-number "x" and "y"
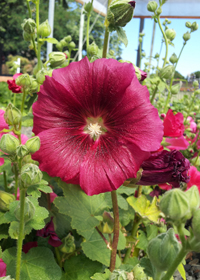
{"x": 5, "y": 181}
{"x": 166, "y": 41}
{"x": 106, "y": 35}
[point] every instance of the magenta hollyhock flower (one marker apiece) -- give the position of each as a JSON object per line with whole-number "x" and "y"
{"x": 194, "y": 178}
{"x": 2, "y": 268}
{"x": 12, "y": 85}
{"x": 96, "y": 124}
{"x": 3, "y": 125}
{"x": 173, "y": 124}
{"x": 48, "y": 230}
{"x": 179, "y": 143}
{"x": 165, "y": 167}
{"x": 193, "y": 125}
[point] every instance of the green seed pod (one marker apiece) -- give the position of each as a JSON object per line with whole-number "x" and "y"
{"x": 163, "y": 249}
{"x": 194, "y": 26}
{"x": 159, "y": 11}
{"x": 173, "y": 58}
{"x": 21, "y": 151}
{"x": 193, "y": 197}
{"x": 56, "y": 59}
{"x": 68, "y": 38}
{"x": 171, "y": 34}
{"x": 195, "y": 84}
{"x": 44, "y": 29}
{"x": 175, "y": 205}
{"x": 33, "y": 144}
{"x": 120, "y": 12}
{"x": 196, "y": 224}
{"x": 92, "y": 49}
{"x": 12, "y": 115}
{"x": 167, "y": 72}
{"x": 30, "y": 175}
{"x": 5, "y": 200}
{"x": 68, "y": 245}
{"x": 152, "y": 6}
{"x": 23, "y": 80}
{"x": 175, "y": 88}
{"x": 29, "y": 26}
{"x": 9, "y": 144}
{"x": 188, "y": 24}
{"x": 29, "y": 210}
{"x": 186, "y": 36}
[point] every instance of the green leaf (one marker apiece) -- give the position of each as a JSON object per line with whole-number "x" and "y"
{"x": 143, "y": 241}
{"x": 4, "y": 231}
{"x": 2, "y": 218}
{"x": 100, "y": 276}
{"x": 152, "y": 231}
{"x": 96, "y": 250}
{"x": 142, "y": 206}
{"x": 51, "y": 40}
{"x": 125, "y": 216}
{"x": 80, "y": 268}
{"x": 38, "y": 263}
{"x": 146, "y": 264}
{"x": 126, "y": 190}
{"x": 34, "y": 190}
{"x": 122, "y": 35}
{"x": 122, "y": 241}
{"x": 181, "y": 270}
{"x": 82, "y": 208}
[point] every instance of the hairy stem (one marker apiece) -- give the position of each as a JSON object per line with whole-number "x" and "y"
{"x": 166, "y": 41}
{"x": 22, "y": 110}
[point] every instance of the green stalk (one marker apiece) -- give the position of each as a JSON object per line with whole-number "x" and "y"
{"x": 5, "y": 181}
{"x": 22, "y": 110}
{"x": 88, "y": 28}
{"x": 140, "y": 49}
{"x": 106, "y": 35}
{"x": 21, "y": 234}
{"x": 154, "y": 94}
{"x": 14, "y": 99}
{"x": 166, "y": 41}
{"x": 29, "y": 9}
{"x": 37, "y": 25}
{"x": 116, "y": 231}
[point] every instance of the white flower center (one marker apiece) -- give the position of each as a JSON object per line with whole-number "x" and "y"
{"x": 94, "y": 129}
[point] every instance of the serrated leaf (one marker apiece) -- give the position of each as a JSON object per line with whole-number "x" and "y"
{"x": 143, "y": 241}
{"x": 146, "y": 264}
{"x": 122, "y": 203}
{"x": 38, "y": 263}
{"x": 181, "y": 270}
{"x": 125, "y": 216}
{"x": 100, "y": 276}
{"x": 4, "y": 231}
{"x": 125, "y": 190}
{"x": 82, "y": 208}
{"x": 2, "y": 218}
{"x": 142, "y": 206}
{"x": 75, "y": 268}
{"x": 34, "y": 190}
{"x": 122, "y": 35}
{"x": 51, "y": 40}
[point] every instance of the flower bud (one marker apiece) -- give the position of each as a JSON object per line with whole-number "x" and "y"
{"x": 171, "y": 34}
{"x": 197, "y": 92}
{"x": 29, "y": 210}
{"x": 163, "y": 249}
{"x": 188, "y": 24}
{"x": 193, "y": 197}
{"x": 5, "y": 200}
{"x": 68, "y": 245}
{"x": 175, "y": 205}
{"x": 59, "y": 46}
{"x": 27, "y": 37}
{"x": 92, "y": 49}
{"x": 120, "y": 12}
{"x": 44, "y": 29}
{"x": 173, "y": 58}
{"x": 167, "y": 72}
{"x": 63, "y": 43}
{"x": 152, "y": 6}
{"x": 21, "y": 151}
{"x": 8, "y": 144}
{"x": 28, "y": 159}
{"x": 140, "y": 39}
{"x": 33, "y": 87}
{"x": 40, "y": 76}
{"x": 30, "y": 175}
{"x": 107, "y": 225}
{"x": 186, "y": 36}
{"x": 195, "y": 84}
{"x": 68, "y": 38}
{"x": 196, "y": 224}
{"x": 33, "y": 144}
{"x": 175, "y": 88}
{"x": 12, "y": 115}
{"x": 88, "y": 7}
{"x": 72, "y": 45}
{"x": 194, "y": 26}
{"x": 138, "y": 273}
{"x": 156, "y": 55}
{"x": 29, "y": 26}
{"x": 37, "y": 67}
{"x": 159, "y": 11}
{"x": 56, "y": 59}
{"x": 23, "y": 80}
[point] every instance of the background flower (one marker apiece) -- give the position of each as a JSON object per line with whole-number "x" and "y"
{"x": 173, "y": 124}
{"x": 12, "y": 85}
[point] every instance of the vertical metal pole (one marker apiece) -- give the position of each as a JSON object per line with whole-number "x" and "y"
{"x": 51, "y": 21}
{"x": 80, "y": 44}
{"x": 138, "y": 51}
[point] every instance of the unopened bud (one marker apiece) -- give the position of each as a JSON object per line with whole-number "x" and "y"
{"x": 34, "y": 86}
{"x": 5, "y": 200}
{"x": 194, "y": 26}
{"x": 156, "y": 55}
{"x": 12, "y": 115}
{"x": 56, "y": 59}
{"x": 193, "y": 197}
{"x": 175, "y": 88}
{"x": 197, "y": 92}
{"x": 188, "y": 24}
{"x": 21, "y": 151}
{"x": 29, "y": 26}
{"x": 29, "y": 210}
{"x": 171, "y": 34}
{"x": 40, "y": 76}
{"x": 30, "y": 175}
{"x": 159, "y": 11}
{"x": 140, "y": 39}
{"x": 9, "y": 144}
{"x": 195, "y": 84}
{"x": 167, "y": 72}
{"x": 186, "y": 36}
{"x": 152, "y": 6}
{"x": 72, "y": 45}
{"x": 33, "y": 144}
{"x": 68, "y": 245}
{"x": 88, "y": 7}
{"x": 68, "y": 38}
{"x": 44, "y": 29}
{"x": 59, "y": 46}
{"x": 27, "y": 37}
{"x": 63, "y": 43}
{"x": 173, "y": 58}
{"x": 92, "y": 49}
{"x": 23, "y": 80}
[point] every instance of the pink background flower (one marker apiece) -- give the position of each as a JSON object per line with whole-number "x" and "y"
{"x": 194, "y": 178}
{"x": 173, "y": 124}
{"x": 2, "y": 268}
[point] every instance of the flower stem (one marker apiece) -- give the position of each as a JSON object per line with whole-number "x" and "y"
{"x": 5, "y": 181}
{"x": 88, "y": 27}
{"x": 21, "y": 234}
{"x": 37, "y": 25}
{"x": 22, "y": 110}
{"x": 154, "y": 94}
{"x": 166, "y": 41}
{"x": 104, "y": 239}
{"x": 106, "y": 35}
{"x": 140, "y": 49}
{"x": 116, "y": 231}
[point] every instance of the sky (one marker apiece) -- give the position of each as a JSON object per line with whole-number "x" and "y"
{"x": 190, "y": 59}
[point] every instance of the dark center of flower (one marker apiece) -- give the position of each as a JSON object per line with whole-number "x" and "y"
{"x": 95, "y": 127}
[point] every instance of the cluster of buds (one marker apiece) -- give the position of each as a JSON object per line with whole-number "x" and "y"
{"x": 27, "y": 83}
{"x": 66, "y": 42}
{"x": 29, "y": 29}
{"x": 167, "y": 72}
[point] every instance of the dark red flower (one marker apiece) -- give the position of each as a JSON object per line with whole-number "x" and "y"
{"x": 29, "y": 245}
{"x": 173, "y": 124}
{"x": 96, "y": 124}
{"x": 165, "y": 167}
{"x": 143, "y": 75}
{"x": 12, "y": 85}
{"x": 48, "y": 230}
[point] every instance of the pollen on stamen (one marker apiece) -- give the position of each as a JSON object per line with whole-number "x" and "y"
{"x": 94, "y": 129}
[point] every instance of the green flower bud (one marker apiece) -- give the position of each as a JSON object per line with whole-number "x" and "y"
{"x": 152, "y": 6}
{"x": 37, "y": 67}
{"x": 173, "y": 58}
{"x": 72, "y": 45}
{"x": 34, "y": 86}
{"x": 92, "y": 49}
{"x": 27, "y": 37}
{"x": 68, "y": 38}
{"x": 40, "y": 76}
{"x": 156, "y": 55}
{"x": 44, "y": 29}
{"x": 194, "y": 26}
{"x": 29, "y": 210}
{"x": 28, "y": 159}
{"x": 159, "y": 11}
{"x": 171, "y": 34}
{"x": 29, "y": 26}
{"x": 88, "y": 7}
{"x": 30, "y": 175}
{"x": 186, "y": 36}
{"x": 68, "y": 245}
{"x": 138, "y": 273}
{"x": 142, "y": 34}
{"x": 12, "y": 115}
{"x": 167, "y": 72}
{"x": 175, "y": 88}
{"x": 63, "y": 43}
{"x": 120, "y": 12}
{"x": 5, "y": 200}
{"x": 56, "y": 59}
{"x": 9, "y": 144}
{"x": 143, "y": 54}
{"x": 188, "y": 24}
{"x": 140, "y": 39}
{"x": 107, "y": 225}
{"x": 196, "y": 224}
{"x": 59, "y": 46}
{"x": 23, "y": 80}
{"x": 195, "y": 84}
{"x": 196, "y": 107}
{"x": 193, "y": 197}
{"x": 33, "y": 144}
{"x": 21, "y": 151}
{"x": 111, "y": 52}
{"x": 163, "y": 249}
{"x": 197, "y": 92}
{"x": 175, "y": 205}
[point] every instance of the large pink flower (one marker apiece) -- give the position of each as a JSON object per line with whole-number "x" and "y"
{"x": 194, "y": 178}
{"x": 173, "y": 124}
{"x": 12, "y": 85}
{"x": 96, "y": 124}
